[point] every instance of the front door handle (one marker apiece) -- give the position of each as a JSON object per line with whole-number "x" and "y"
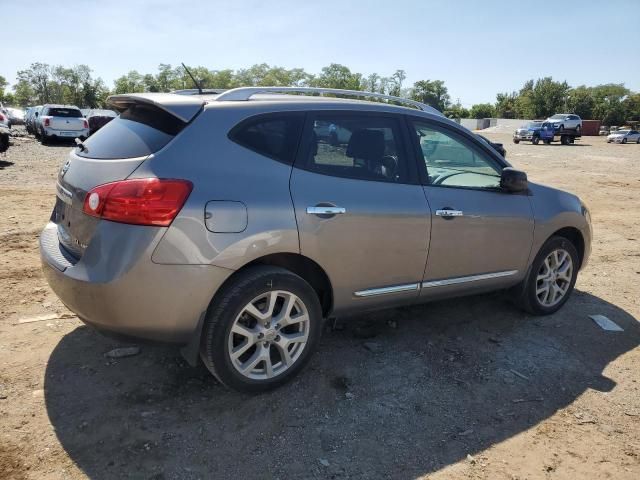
{"x": 328, "y": 210}
{"x": 449, "y": 213}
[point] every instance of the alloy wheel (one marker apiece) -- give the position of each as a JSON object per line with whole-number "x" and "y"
{"x": 269, "y": 335}
{"x": 554, "y": 277}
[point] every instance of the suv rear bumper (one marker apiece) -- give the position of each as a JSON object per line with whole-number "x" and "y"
{"x": 116, "y": 287}
{"x": 70, "y": 134}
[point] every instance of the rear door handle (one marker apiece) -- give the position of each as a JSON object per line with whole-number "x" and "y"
{"x": 320, "y": 210}
{"x": 449, "y": 213}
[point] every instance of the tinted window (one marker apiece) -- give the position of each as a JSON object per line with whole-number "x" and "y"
{"x": 453, "y": 161}
{"x": 64, "y": 112}
{"x": 139, "y": 131}
{"x": 274, "y": 136}
{"x": 356, "y": 146}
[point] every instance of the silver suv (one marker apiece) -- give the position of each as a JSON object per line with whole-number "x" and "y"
{"x": 233, "y": 224}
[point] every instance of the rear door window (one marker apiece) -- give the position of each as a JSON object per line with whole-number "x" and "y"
{"x": 273, "y": 135}
{"x": 65, "y": 112}
{"x": 139, "y": 131}
{"x": 352, "y": 145}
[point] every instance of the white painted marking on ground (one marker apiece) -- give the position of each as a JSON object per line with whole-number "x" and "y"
{"x": 606, "y": 324}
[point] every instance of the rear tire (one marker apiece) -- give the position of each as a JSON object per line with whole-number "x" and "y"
{"x": 249, "y": 341}
{"x": 549, "y": 285}
{"x": 43, "y": 139}
{"x": 578, "y": 130}
{"x": 516, "y": 141}
{"x": 624, "y": 140}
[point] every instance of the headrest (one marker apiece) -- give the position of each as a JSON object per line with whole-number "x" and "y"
{"x": 366, "y": 144}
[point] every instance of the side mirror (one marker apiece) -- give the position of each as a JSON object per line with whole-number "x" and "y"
{"x": 513, "y": 180}
{"x": 36, "y": 114}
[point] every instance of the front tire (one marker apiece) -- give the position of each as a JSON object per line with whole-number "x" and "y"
{"x": 551, "y": 277}
{"x": 624, "y": 140}
{"x": 261, "y": 329}
{"x": 535, "y": 140}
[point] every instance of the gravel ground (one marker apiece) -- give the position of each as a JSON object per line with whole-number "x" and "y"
{"x": 469, "y": 388}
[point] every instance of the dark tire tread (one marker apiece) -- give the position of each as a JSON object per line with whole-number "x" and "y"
{"x": 236, "y": 291}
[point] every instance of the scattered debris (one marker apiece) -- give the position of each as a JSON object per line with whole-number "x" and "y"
{"x": 349, "y": 396}
{"x": 471, "y": 459}
{"x": 392, "y": 324}
{"x": 373, "y": 347}
{"x": 465, "y": 433}
{"x": 324, "y": 462}
{"x": 123, "y": 352}
{"x": 518, "y": 374}
{"x": 606, "y": 324}
{"x": 523, "y": 400}
{"x": 45, "y": 316}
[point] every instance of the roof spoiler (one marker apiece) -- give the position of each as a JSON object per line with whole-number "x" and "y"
{"x": 183, "y": 107}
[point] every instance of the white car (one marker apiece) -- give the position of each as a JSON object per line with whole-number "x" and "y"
{"x": 624, "y": 136}
{"x": 61, "y": 122}
{"x": 566, "y": 121}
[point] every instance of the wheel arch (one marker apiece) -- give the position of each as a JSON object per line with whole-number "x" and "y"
{"x": 574, "y": 235}
{"x": 304, "y": 267}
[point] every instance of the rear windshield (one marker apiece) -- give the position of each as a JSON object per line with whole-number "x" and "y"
{"x": 139, "y": 131}
{"x": 65, "y": 112}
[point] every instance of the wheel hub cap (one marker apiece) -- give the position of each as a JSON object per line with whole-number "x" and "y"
{"x": 554, "y": 278}
{"x": 269, "y": 335}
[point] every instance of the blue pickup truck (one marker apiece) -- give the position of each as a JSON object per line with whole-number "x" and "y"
{"x": 535, "y": 131}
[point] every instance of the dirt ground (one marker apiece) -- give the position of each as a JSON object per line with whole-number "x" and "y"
{"x": 467, "y": 388}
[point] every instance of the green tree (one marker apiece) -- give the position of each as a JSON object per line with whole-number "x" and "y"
{"x": 456, "y": 110}
{"x": 506, "y": 105}
{"x": 482, "y": 110}
{"x": 338, "y": 76}
{"x": 631, "y": 106}
{"x": 132, "y": 82}
{"x": 431, "y": 92}
{"x": 581, "y": 102}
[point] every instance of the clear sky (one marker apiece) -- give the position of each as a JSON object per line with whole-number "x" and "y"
{"x": 478, "y": 48}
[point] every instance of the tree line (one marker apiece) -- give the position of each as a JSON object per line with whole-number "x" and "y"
{"x": 41, "y": 83}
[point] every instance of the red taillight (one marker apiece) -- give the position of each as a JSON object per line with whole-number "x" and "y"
{"x": 1, "y": 118}
{"x": 144, "y": 201}
{"x": 47, "y": 122}
{"x": 85, "y": 123}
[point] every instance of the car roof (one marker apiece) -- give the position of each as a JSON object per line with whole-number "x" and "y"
{"x": 185, "y": 107}
{"x": 54, "y": 105}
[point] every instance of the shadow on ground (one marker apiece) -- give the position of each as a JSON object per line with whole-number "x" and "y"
{"x": 450, "y": 379}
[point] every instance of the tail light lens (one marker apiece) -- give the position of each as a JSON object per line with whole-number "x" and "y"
{"x": 144, "y": 201}
{"x": 47, "y": 122}
{"x": 85, "y": 123}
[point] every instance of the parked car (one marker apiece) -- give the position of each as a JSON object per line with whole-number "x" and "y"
{"x": 499, "y": 147}
{"x": 528, "y": 132}
{"x": 61, "y": 122}
{"x": 603, "y": 131}
{"x": 4, "y": 137}
{"x": 31, "y": 119}
{"x": 16, "y": 116}
{"x": 624, "y": 136}
{"x": 98, "y": 118}
{"x": 4, "y": 119}
{"x": 223, "y": 223}
{"x": 566, "y": 121}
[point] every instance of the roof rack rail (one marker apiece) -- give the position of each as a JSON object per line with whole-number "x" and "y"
{"x": 195, "y": 91}
{"x": 245, "y": 93}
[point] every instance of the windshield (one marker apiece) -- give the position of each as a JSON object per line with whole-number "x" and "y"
{"x": 622, "y": 132}
{"x": 534, "y": 125}
{"x": 65, "y": 112}
{"x": 558, "y": 117}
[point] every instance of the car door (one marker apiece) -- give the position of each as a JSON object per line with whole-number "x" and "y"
{"x": 361, "y": 211}
{"x": 481, "y": 236}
